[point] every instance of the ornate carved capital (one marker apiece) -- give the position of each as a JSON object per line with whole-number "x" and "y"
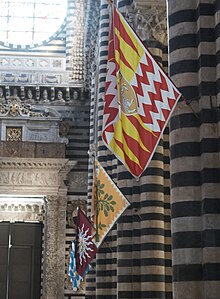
{"x": 149, "y": 21}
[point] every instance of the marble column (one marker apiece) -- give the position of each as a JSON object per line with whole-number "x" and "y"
{"x": 61, "y": 232}
{"x": 50, "y": 265}
{"x": 195, "y": 151}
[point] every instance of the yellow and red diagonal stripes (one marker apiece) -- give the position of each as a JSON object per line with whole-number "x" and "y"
{"x": 133, "y": 135}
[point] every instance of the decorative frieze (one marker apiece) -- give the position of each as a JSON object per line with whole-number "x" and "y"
{"x": 26, "y": 77}
{"x": 37, "y": 163}
{"x": 41, "y": 95}
{"x": 15, "y": 107}
{"x": 33, "y": 70}
{"x": 21, "y": 212}
{"x": 28, "y": 178}
{"x": 30, "y": 63}
{"x": 20, "y": 173}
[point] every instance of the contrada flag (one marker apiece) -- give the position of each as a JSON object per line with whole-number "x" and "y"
{"x": 85, "y": 248}
{"x": 139, "y": 98}
{"x": 108, "y": 203}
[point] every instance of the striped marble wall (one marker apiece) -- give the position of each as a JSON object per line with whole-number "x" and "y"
{"x": 195, "y": 159}
{"x": 135, "y": 259}
{"x": 77, "y": 118}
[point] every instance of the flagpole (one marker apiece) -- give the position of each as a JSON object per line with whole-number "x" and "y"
{"x": 95, "y": 201}
{"x": 111, "y": 4}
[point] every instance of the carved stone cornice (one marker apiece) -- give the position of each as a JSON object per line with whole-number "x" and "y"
{"x": 33, "y": 176}
{"x": 36, "y": 163}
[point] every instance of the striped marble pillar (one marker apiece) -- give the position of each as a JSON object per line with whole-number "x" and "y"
{"x": 97, "y": 92}
{"x": 135, "y": 259}
{"x": 195, "y": 160}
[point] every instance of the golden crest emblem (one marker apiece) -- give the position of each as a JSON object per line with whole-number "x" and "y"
{"x": 126, "y": 96}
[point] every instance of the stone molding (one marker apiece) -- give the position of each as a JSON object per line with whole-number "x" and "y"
{"x": 30, "y": 63}
{"x": 35, "y": 163}
{"x": 32, "y": 78}
{"x": 21, "y": 212}
{"x": 44, "y": 95}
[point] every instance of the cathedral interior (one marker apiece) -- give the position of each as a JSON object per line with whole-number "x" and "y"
{"x": 53, "y": 57}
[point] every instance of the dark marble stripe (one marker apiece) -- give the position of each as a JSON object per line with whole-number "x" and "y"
{"x": 195, "y": 178}
{"x": 191, "y": 15}
{"x": 143, "y": 294}
{"x": 193, "y": 149}
{"x": 190, "y": 66}
{"x": 145, "y": 278}
{"x": 191, "y": 40}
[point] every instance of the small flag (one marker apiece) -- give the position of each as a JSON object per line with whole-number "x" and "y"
{"x": 83, "y": 251}
{"x": 139, "y": 98}
{"x": 109, "y": 203}
{"x": 85, "y": 248}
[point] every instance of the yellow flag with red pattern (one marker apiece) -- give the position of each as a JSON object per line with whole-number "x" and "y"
{"x": 139, "y": 98}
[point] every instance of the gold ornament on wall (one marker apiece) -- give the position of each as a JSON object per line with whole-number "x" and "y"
{"x": 13, "y": 133}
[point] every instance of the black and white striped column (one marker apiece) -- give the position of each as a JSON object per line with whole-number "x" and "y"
{"x": 195, "y": 159}
{"x": 135, "y": 260}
